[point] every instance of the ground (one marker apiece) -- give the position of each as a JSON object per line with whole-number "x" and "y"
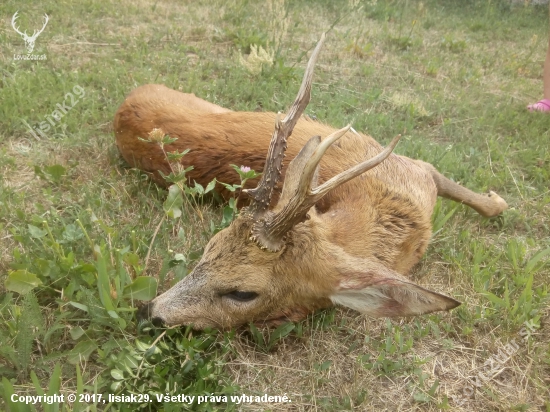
{"x": 82, "y": 234}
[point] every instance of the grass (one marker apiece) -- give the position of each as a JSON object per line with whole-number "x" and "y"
{"x": 78, "y": 229}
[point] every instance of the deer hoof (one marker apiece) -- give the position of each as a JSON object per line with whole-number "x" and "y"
{"x": 497, "y": 205}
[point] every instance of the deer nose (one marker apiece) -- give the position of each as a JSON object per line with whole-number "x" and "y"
{"x": 145, "y": 313}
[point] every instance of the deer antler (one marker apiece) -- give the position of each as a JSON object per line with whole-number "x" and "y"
{"x": 13, "y": 21}
{"x": 298, "y": 196}
{"x": 261, "y": 195}
{"x": 37, "y": 32}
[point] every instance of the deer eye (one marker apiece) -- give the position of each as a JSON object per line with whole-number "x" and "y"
{"x": 242, "y": 296}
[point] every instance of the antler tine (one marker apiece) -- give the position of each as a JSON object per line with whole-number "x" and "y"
{"x": 13, "y": 21}
{"x": 46, "y": 19}
{"x": 304, "y": 187}
{"x": 355, "y": 170}
{"x": 270, "y": 234}
{"x": 261, "y": 195}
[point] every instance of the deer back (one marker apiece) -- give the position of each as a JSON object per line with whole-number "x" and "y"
{"x": 217, "y": 140}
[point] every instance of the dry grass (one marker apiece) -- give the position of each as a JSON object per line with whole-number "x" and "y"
{"x": 294, "y": 369}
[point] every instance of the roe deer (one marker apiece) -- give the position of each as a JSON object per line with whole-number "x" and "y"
{"x": 328, "y": 237}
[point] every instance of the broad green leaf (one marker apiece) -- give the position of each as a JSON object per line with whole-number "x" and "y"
{"x": 76, "y": 332}
{"x": 153, "y": 350}
{"x": 169, "y": 140}
{"x": 228, "y": 215}
{"x": 229, "y": 187}
{"x": 174, "y": 201}
{"x": 245, "y": 172}
{"x": 117, "y": 374}
{"x": 210, "y": 186}
{"x": 36, "y": 232}
{"x": 179, "y": 257}
{"x": 176, "y": 156}
{"x": 55, "y": 172}
{"x": 82, "y": 350}
{"x": 79, "y": 306}
{"x": 141, "y": 346}
{"x": 199, "y": 188}
{"x": 142, "y": 288}
{"x": 115, "y": 385}
{"x": 22, "y": 281}
{"x": 113, "y": 314}
{"x": 72, "y": 233}
{"x": 131, "y": 259}
{"x": 130, "y": 362}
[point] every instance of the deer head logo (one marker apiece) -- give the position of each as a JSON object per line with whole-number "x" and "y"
{"x": 29, "y": 40}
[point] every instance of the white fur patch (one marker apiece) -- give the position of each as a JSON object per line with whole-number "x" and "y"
{"x": 364, "y": 300}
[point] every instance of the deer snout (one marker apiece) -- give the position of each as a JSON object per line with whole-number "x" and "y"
{"x": 146, "y": 313}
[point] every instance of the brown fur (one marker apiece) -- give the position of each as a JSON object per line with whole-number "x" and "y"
{"x": 374, "y": 227}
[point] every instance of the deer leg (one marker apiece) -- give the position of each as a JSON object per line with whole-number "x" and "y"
{"x": 487, "y": 205}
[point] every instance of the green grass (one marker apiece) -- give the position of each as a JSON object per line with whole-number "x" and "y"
{"x": 79, "y": 245}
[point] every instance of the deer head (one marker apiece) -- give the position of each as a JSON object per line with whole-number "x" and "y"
{"x": 278, "y": 264}
{"x": 29, "y": 40}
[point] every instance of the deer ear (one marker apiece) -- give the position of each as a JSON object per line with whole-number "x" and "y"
{"x": 386, "y": 293}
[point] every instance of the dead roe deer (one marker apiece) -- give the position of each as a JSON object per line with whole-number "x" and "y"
{"x": 343, "y": 230}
